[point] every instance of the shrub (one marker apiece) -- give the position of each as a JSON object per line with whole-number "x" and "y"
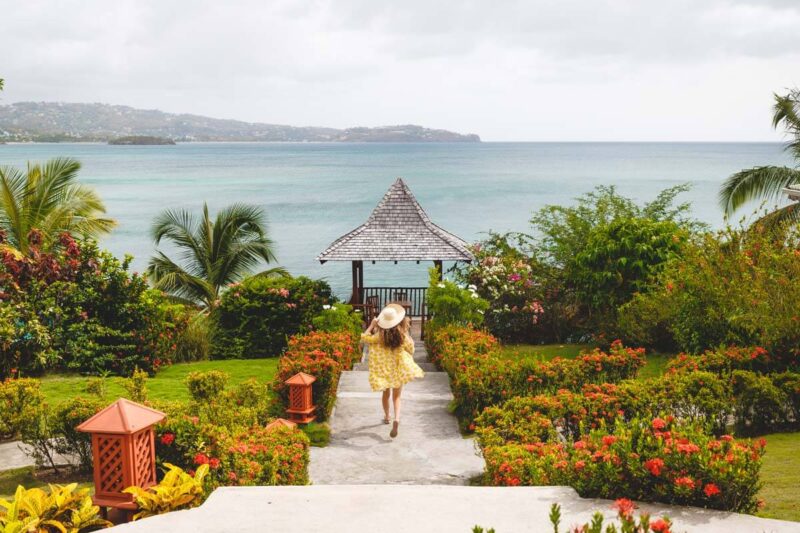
{"x": 323, "y": 355}
{"x": 735, "y": 287}
{"x": 450, "y": 304}
{"x": 627, "y": 522}
{"x": 185, "y": 335}
{"x": 724, "y": 360}
{"x": 20, "y": 400}
{"x": 338, "y": 317}
{"x": 177, "y": 490}
{"x": 63, "y": 508}
{"x": 65, "y": 439}
{"x": 79, "y": 303}
{"x": 662, "y": 460}
{"x": 760, "y": 405}
{"x": 205, "y": 386}
{"x": 256, "y": 317}
{"x": 136, "y": 386}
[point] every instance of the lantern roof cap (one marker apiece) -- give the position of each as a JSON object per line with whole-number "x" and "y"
{"x": 122, "y": 417}
{"x": 301, "y": 378}
{"x": 281, "y": 422}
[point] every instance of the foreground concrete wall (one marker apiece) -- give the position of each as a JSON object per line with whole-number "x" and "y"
{"x": 418, "y": 509}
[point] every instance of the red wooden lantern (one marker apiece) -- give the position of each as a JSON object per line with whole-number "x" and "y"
{"x": 280, "y": 422}
{"x": 301, "y": 406}
{"x": 123, "y": 451}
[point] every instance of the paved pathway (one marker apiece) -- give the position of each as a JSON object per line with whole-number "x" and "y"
{"x": 428, "y": 450}
{"x": 427, "y": 509}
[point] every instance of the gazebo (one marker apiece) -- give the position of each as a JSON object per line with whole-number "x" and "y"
{"x": 397, "y": 230}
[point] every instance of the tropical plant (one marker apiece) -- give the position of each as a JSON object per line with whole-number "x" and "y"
{"x": 213, "y": 253}
{"x": 450, "y": 304}
{"x": 49, "y": 199}
{"x": 178, "y": 490}
{"x": 766, "y": 183}
{"x": 62, "y": 509}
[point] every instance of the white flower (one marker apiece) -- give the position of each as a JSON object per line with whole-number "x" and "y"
{"x": 473, "y": 288}
{"x": 474, "y": 295}
{"x": 326, "y": 307}
{"x": 440, "y": 285}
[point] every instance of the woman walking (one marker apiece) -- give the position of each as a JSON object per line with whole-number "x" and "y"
{"x": 391, "y": 361}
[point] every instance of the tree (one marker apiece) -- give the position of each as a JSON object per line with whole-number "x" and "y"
{"x": 49, "y": 199}
{"x": 213, "y": 254}
{"x": 766, "y": 183}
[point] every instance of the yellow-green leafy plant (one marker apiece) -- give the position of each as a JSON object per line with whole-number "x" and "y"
{"x": 64, "y": 509}
{"x": 178, "y": 490}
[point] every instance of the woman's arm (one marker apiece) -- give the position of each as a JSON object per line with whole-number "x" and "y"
{"x": 373, "y": 326}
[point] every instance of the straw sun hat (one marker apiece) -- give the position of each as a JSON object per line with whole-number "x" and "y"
{"x": 391, "y": 315}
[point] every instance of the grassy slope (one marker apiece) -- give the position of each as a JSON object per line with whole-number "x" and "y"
{"x": 780, "y": 474}
{"x": 654, "y": 367}
{"x": 168, "y": 384}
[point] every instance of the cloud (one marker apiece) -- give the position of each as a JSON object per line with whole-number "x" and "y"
{"x": 509, "y": 69}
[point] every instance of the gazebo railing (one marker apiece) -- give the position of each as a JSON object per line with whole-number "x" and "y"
{"x": 416, "y": 296}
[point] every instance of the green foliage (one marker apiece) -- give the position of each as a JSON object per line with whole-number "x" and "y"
{"x": 450, "y": 304}
{"x": 205, "y": 386}
{"x": 49, "y": 199}
{"x": 760, "y": 405}
{"x": 256, "y": 317}
{"x": 733, "y": 288}
{"x": 177, "y": 490}
{"x": 77, "y": 308}
{"x": 620, "y": 258}
{"x": 20, "y": 401}
{"x": 338, "y": 317}
{"x": 215, "y": 253}
{"x": 65, "y": 439}
{"x": 136, "y": 386}
{"x": 62, "y": 508}
{"x": 627, "y": 522}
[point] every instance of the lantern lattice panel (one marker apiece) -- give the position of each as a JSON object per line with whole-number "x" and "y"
{"x": 110, "y": 461}
{"x": 297, "y": 397}
{"x": 144, "y": 475}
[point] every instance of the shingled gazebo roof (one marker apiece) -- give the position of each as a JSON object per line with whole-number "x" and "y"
{"x": 397, "y": 230}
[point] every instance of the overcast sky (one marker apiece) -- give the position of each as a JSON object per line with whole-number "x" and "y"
{"x": 522, "y": 70}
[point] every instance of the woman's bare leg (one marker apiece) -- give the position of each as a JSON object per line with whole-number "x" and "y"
{"x": 385, "y": 402}
{"x": 396, "y": 399}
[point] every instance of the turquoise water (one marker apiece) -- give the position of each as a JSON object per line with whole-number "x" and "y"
{"x": 313, "y": 193}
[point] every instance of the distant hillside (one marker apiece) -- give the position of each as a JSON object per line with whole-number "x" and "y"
{"x": 55, "y": 122}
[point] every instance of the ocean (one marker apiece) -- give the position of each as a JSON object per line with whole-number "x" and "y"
{"x": 313, "y": 193}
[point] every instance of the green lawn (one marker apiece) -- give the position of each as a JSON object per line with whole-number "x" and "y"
{"x": 656, "y": 362}
{"x": 10, "y": 479}
{"x": 168, "y": 384}
{"x": 780, "y": 474}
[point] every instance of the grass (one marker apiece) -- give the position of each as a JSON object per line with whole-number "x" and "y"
{"x": 780, "y": 473}
{"x": 656, "y": 362}
{"x": 10, "y": 479}
{"x": 168, "y": 383}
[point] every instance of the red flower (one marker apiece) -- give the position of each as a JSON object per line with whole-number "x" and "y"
{"x": 625, "y": 507}
{"x": 659, "y": 423}
{"x": 213, "y": 463}
{"x": 167, "y": 438}
{"x": 232, "y": 476}
{"x": 711, "y": 490}
{"x": 579, "y": 465}
{"x": 579, "y": 445}
{"x": 684, "y": 481}
{"x": 654, "y": 466}
{"x": 660, "y": 526}
{"x": 608, "y": 440}
{"x": 200, "y": 459}
{"x": 727, "y": 438}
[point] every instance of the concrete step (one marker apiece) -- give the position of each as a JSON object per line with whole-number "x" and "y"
{"x": 428, "y": 509}
{"x": 424, "y": 365}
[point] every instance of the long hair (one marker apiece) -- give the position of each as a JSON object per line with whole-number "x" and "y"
{"x": 392, "y": 337}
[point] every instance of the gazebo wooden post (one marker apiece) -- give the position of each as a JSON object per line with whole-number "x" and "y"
{"x": 357, "y": 298}
{"x": 438, "y": 264}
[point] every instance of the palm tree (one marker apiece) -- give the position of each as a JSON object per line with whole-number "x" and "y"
{"x": 48, "y": 198}
{"x": 767, "y": 183}
{"x": 213, "y": 254}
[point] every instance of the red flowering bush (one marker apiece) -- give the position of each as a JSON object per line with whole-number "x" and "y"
{"x": 323, "y": 355}
{"x": 481, "y": 378}
{"x": 242, "y": 455}
{"x": 659, "y": 460}
{"x": 724, "y": 360}
{"x": 627, "y": 521}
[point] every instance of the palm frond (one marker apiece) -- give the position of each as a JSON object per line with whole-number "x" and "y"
{"x": 170, "y": 277}
{"x": 764, "y": 183}
{"x": 274, "y": 272}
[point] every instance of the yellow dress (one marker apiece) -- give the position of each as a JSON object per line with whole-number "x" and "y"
{"x": 390, "y": 368}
